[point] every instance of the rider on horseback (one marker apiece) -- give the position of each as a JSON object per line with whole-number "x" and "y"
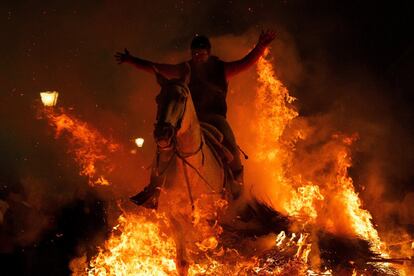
{"x": 208, "y": 85}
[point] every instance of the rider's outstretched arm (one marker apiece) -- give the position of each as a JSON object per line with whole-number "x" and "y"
{"x": 168, "y": 70}
{"x": 234, "y": 67}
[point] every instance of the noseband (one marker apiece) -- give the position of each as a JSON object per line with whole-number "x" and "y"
{"x": 174, "y": 129}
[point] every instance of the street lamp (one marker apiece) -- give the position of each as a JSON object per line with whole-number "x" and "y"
{"x": 139, "y": 142}
{"x": 49, "y": 98}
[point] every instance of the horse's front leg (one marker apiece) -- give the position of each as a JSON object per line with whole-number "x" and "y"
{"x": 181, "y": 261}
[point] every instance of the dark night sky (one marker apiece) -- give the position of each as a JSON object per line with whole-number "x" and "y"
{"x": 350, "y": 57}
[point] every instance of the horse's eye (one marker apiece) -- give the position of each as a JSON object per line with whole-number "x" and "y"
{"x": 182, "y": 97}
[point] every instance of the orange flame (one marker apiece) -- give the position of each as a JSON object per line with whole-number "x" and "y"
{"x": 291, "y": 193}
{"x": 274, "y": 154}
{"x": 359, "y": 218}
{"x": 139, "y": 246}
{"x": 89, "y": 147}
{"x": 140, "y": 249}
{"x": 273, "y": 102}
{"x": 123, "y": 255}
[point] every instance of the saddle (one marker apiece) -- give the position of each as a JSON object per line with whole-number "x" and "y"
{"x": 214, "y": 138}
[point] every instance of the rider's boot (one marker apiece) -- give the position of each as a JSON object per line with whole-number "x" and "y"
{"x": 148, "y": 198}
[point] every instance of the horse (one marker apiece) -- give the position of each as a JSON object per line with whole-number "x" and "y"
{"x": 188, "y": 180}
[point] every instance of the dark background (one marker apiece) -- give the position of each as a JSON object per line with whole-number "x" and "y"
{"x": 351, "y": 58}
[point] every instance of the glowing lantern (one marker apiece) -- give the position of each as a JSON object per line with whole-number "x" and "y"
{"x": 139, "y": 142}
{"x": 49, "y": 98}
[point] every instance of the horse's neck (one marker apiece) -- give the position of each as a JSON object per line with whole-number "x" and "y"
{"x": 189, "y": 135}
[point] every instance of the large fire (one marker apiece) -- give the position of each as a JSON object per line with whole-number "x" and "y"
{"x": 139, "y": 246}
{"x": 307, "y": 198}
{"x": 313, "y": 189}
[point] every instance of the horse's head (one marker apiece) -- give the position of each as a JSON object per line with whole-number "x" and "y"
{"x": 171, "y": 106}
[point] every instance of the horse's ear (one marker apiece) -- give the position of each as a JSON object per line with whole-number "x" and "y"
{"x": 160, "y": 78}
{"x": 185, "y": 78}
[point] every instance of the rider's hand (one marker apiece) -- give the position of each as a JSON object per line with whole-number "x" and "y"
{"x": 266, "y": 37}
{"x": 123, "y": 57}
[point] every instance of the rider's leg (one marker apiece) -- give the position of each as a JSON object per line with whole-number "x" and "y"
{"x": 229, "y": 142}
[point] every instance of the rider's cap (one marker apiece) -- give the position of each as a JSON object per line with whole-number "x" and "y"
{"x": 200, "y": 42}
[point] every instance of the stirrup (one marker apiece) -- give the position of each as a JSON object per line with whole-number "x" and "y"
{"x": 148, "y": 198}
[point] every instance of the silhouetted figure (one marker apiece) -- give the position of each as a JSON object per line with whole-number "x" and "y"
{"x": 208, "y": 84}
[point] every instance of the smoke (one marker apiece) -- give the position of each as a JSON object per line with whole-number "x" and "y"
{"x": 353, "y": 102}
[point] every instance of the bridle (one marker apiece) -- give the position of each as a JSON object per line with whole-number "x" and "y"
{"x": 173, "y": 141}
{"x": 176, "y": 152}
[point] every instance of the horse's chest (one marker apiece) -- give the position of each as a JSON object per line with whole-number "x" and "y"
{"x": 203, "y": 184}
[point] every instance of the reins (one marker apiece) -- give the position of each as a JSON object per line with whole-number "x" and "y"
{"x": 183, "y": 156}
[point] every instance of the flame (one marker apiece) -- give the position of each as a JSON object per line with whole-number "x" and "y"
{"x": 275, "y": 113}
{"x": 122, "y": 254}
{"x": 359, "y": 218}
{"x": 274, "y": 104}
{"x": 88, "y": 145}
{"x": 139, "y": 244}
{"x": 305, "y": 198}
{"x": 299, "y": 242}
{"x": 140, "y": 249}
{"x": 290, "y": 257}
{"x": 303, "y": 201}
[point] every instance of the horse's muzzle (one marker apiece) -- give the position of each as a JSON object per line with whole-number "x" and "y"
{"x": 163, "y": 134}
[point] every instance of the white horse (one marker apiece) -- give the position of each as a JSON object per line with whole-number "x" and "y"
{"x": 188, "y": 179}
